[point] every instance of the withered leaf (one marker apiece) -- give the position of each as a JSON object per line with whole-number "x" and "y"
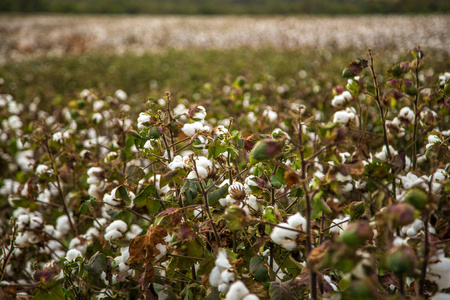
{"x": 143, "y": 248}
{"x": 317, "y": 254}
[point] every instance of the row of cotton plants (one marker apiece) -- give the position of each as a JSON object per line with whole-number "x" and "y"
{"x": 249, "y": 200}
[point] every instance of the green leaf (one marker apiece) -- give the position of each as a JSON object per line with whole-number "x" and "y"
{"x": 275, "y": 182}
{"x": 176, "y": 176}
{"x": 297, "y": 193}
{"x": 280, "y": 175}
{"x": 292, "y": 266}
{"x": 206, "y": 265}
{"x": 134, "y": 174}
{"x": 216, "y": 149}
{"x": 190, "y": 191}
{"x": 259, "y": 270}
{"x": 171, "y": 267}
{"x": 343, "y": 284}
{"x": 54, "y": 293}
{"x": 214, "y": 196}
{"x": 165, "y": 293}
{"x": 134, "y": 134}
{"x": 194, "y": 248}
{"x": 148, "y": 191}
{"x": 281, "y": 291}
{"x": 154, "y": 133}
{"x": 98, "y": 263}
{"x": 122, "y": 193}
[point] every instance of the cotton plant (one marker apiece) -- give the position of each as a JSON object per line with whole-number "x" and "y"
{"x": 266, "y": 196}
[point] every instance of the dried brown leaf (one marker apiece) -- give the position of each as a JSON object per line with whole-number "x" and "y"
{"x": 143, "y": 248}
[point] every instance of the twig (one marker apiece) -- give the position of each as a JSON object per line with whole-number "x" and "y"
{"x": 59, "y": 188}
{"x": 205, "y": 197}
{"x": 378, "y": 100}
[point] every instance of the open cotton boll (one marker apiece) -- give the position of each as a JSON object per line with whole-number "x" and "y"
{"x": 221, "y": 260}
{"x": 270, "y": 114}
{"x": 72, "y": 254}
{"x": 117, "y": 225}
{"x": 162, "y": 251}
{"x": 62, "y": 224}
{"x": 441, "y": 296}
{"x": 297, "y": 220}
{"x": 341, "y": 117}
{"x": 215, "y": 276}
{"x": 284, "y": 236}
{"x": 252, "y": 201}
{"x": 223, "y": 287}
{"x": 177, "y": 162}
{"x": 204, "y": 162}
{"x": 438, "y": 271}
{"x": 135, "y": 230}
{"x": 202, "y": 172}
{"x": 227, "y": 276}
{"x": 237, "y": 291}
{"x": 251, "y": 297}
{"x": 113, "y": 234}
{"x": 200, "y": 113}
{"x": 338, "y": 101}
{"x": 406, "y": 115}
{"x": 189, "y": 129}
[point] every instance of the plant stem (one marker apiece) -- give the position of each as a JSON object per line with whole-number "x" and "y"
{"x": 10, "y": 252}
{"x": 272, "y": 274}
{"x": 59, "y": 188}
{"x": 312, "y": 274}
{"x": 378, "y": 100}
{"x": 401, "y": 283}
{"x": 205, "y": 197}
{"x": 416, "y": 117}
{"x": 426, "y": 249}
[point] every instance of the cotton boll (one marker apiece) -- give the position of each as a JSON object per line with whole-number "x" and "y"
{"x": 162, "y": 249}
{"x": 21, "y": 239}
{"x": 113, "y": 235}
{"x": 72, "y": 254}
{"x": 440, "y": 296}
{"x": 284, "y": 236}
{"x": 289, "y": 245}
{"x": 338, "y": 101}
{"x": 100, "y": 222}
{"x": 417, "y": 224}
{"x": 227, "y": 276}
{"x": 135, "y": 230}
{"x": 190, "y": 129}
{"x": 63, "y": 225}
{"x": 406, "y": 115}
{"x": 200, "y": 113}
{"x": 202, "y": 172}
{"x": 203, "y": 162}
{"x": 341, "y": 117}
{"x": 117, "y": 225}
{"x": 192, "y": 175}
{"x": 297, "y": 220}
{"x": 237, "y": 290}
{"x": 439, "y": 271}
{"x": 252, "y": 201}
{"x": 251, "y": 297}
{"x": 215, "y": 276}
{"x": 222, "y": 261}
{"x": 121, "y": 95}
{"x": 223, "y": 287}
{"x": 177, "y": 162}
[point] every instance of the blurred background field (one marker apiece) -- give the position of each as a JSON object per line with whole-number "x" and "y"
{"x": 57, "y": 56}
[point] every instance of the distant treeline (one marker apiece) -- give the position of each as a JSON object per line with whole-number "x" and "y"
{"x": 226, "y": 6}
